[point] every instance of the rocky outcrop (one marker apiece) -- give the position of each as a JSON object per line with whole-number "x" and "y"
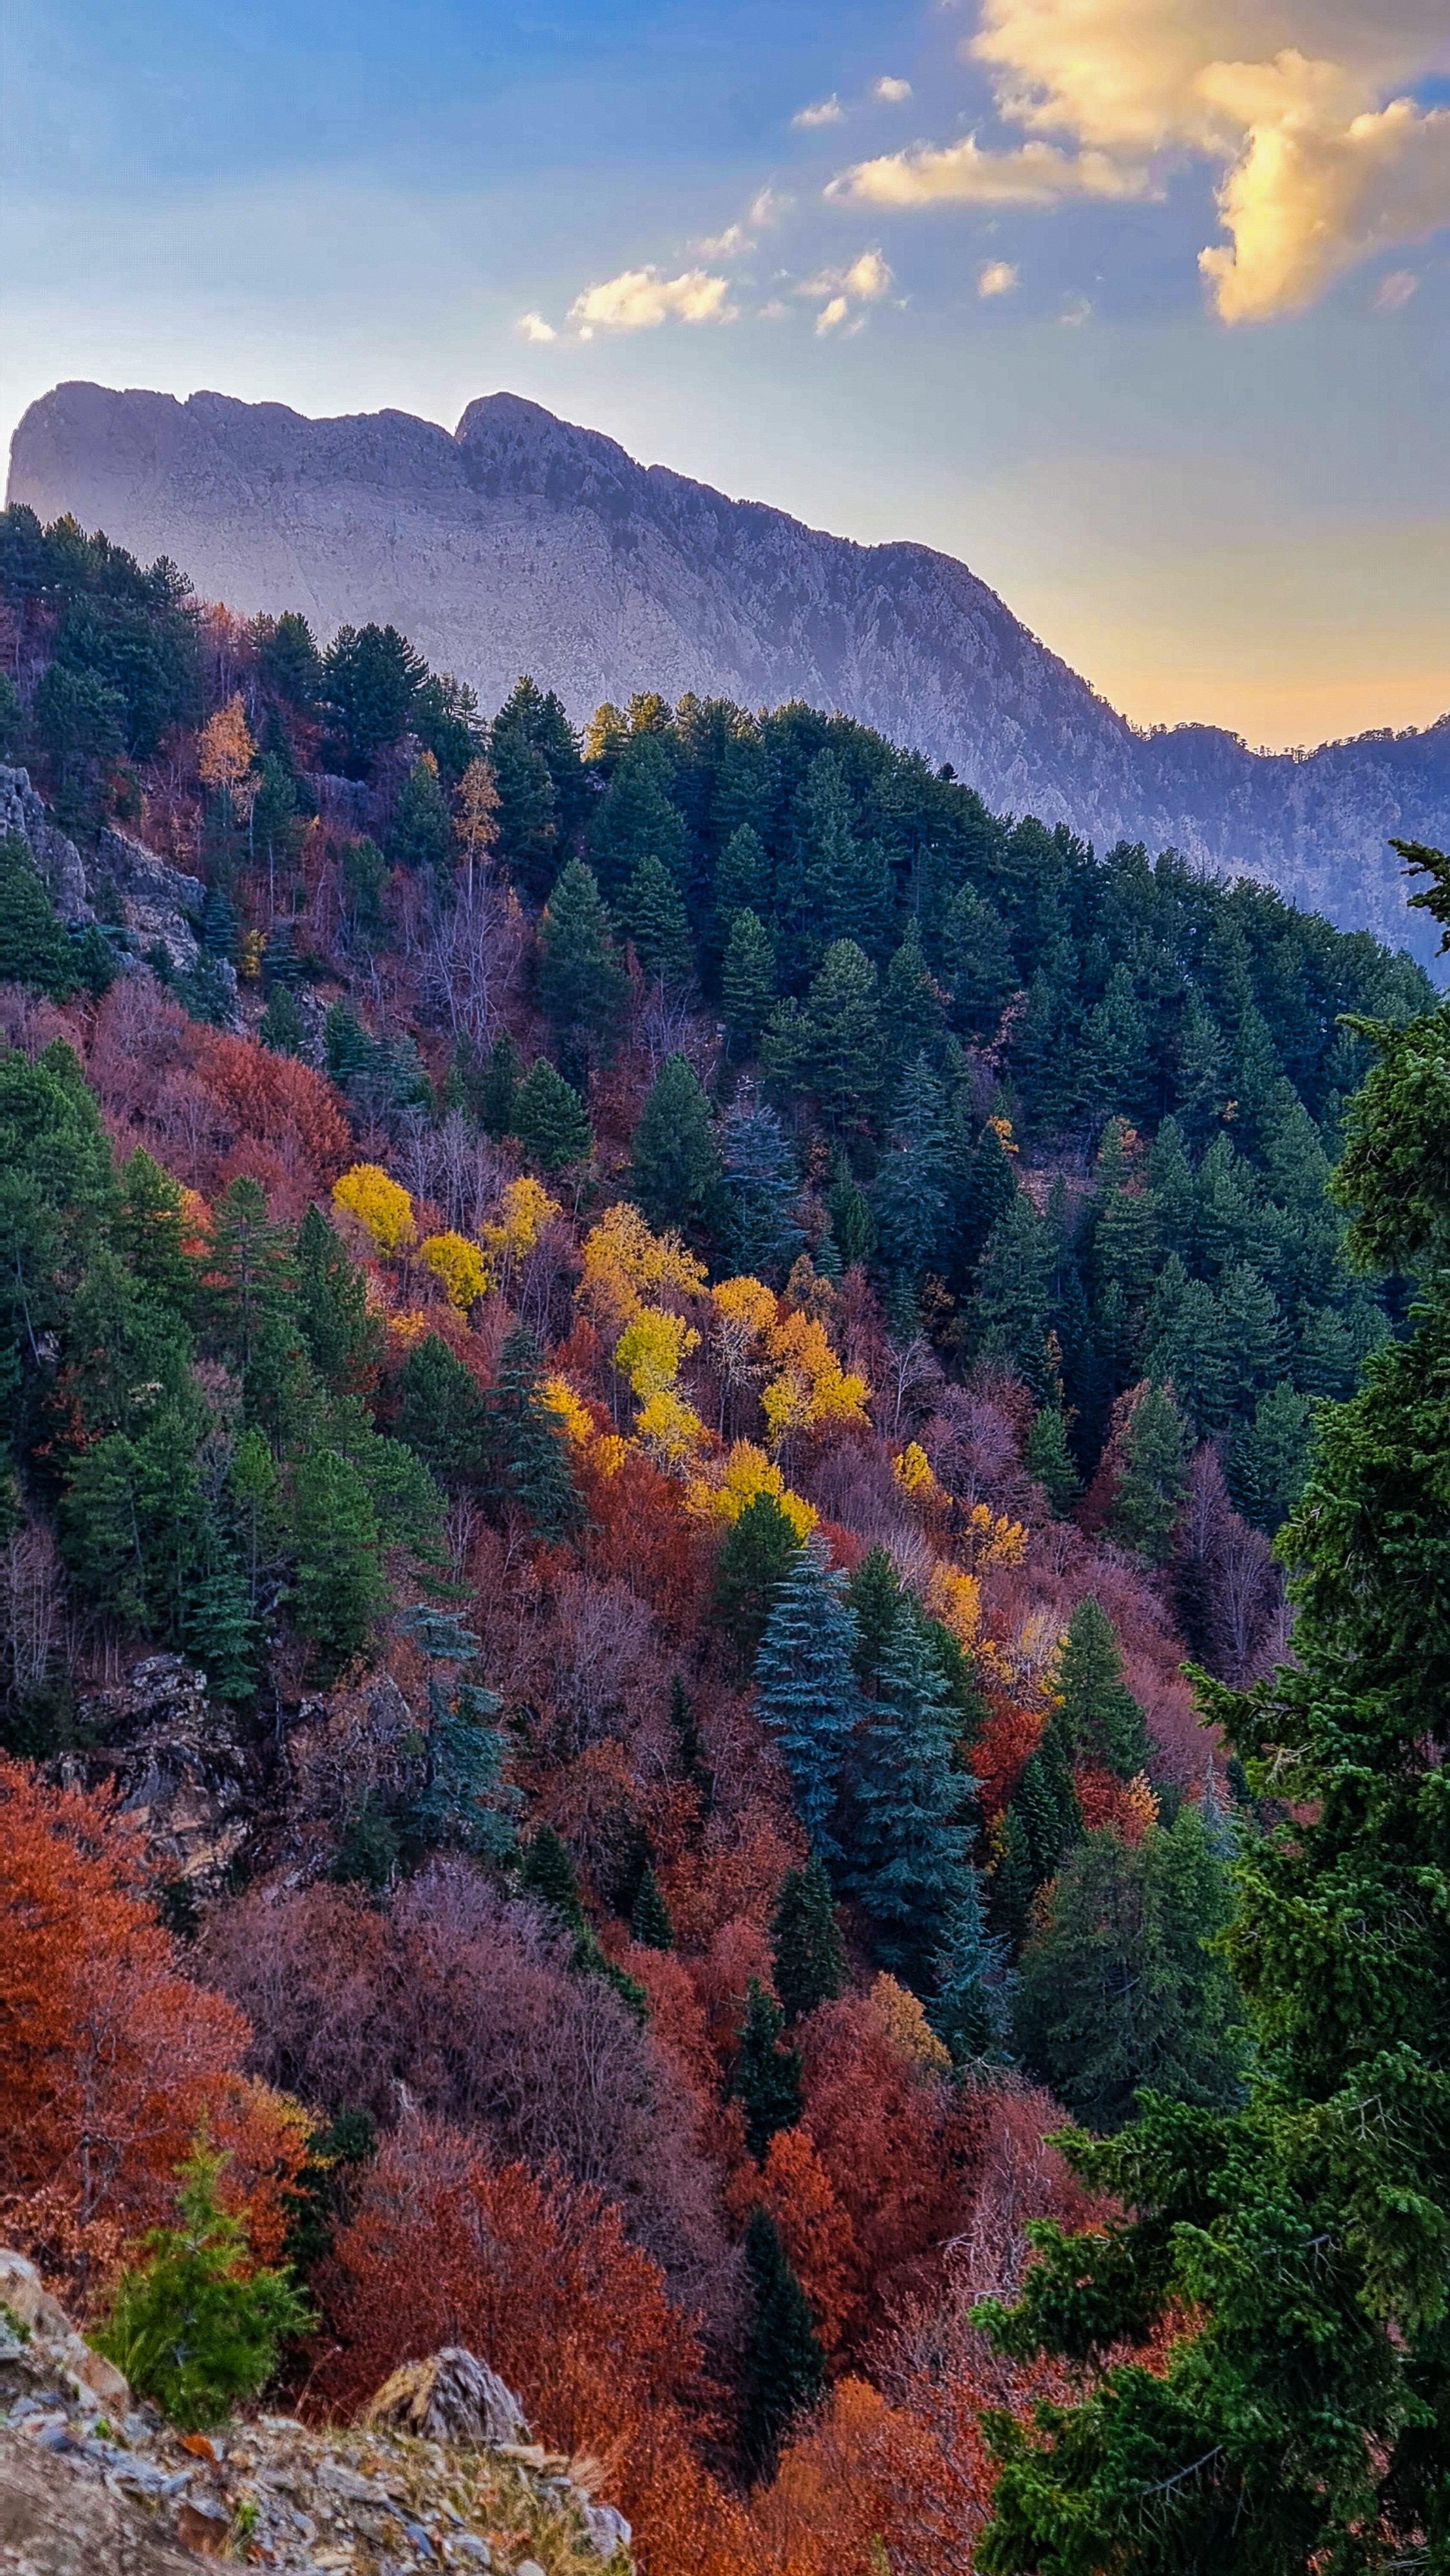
{"x": 157, "y": 905}
{"x": 523, "y": 543}
{"x": 180, "y": 1763}
{"x": 58, "y": 862}
{"x": 93, "y": 2484}
{"x": 160, "y": 905}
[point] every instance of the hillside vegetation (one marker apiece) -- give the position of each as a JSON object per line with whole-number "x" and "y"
{"x": 688, "y": 1328}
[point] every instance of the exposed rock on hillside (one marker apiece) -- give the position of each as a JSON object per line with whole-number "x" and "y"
{"x": 524, "y": 543}
{"x": 91, "y": 2481}
{"x": 178, "y": 1762}
{"x": 157, "y": 905}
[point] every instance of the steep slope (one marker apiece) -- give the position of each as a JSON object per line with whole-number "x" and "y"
{"x": 523, "y": 543}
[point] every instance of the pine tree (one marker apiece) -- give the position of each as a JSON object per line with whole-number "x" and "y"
{"x": 747, "y": 982}
{"x": 526, "y": 1446}
{"x": 755, "y": 1555}
{"x": 151, "y": 1233}
{"x": 907, "y": 1864}
{"x": 817, "y": 869}
{"x": 1048, "y": 1460}
{"x": 685, "y": 1729}
{"x": 649, "y": 1921}
{"x": 442, "y": 1414}
{"x": 976, "y": 954}
{"x": 498, "y": 1084}
{"x": 280, "y": 1026}
{"x": 652, "y": 915}
{"x": 549, "y": 1119}
{"x": 582, "y": 986}
{"x": 767, "y": 2077}
{"x": 785, "y": 2369}
{"x": 421, "y": 836}
{"x": 219, "y": 1631}
{"x": 1097, "y": 1719}
{"x": 805, "y": 1687}
{"x": 674, "y": 1158}
{"x": 1268, "y": 1458}
{"x": 638, "y": 818}
{"x": 548, "y": 1873}
{"x": 196, "y": 2325}
{"x": 911, "y": 1196}
{"x": 1115, "y": 1050}
{"x": 834, "y": 1044}
{"x": 1299, "y": 2422}
{"x": 1117, "y": 1990}
{"x": 1015, "y": 1290}
{"x": 1155, "y": 1472}
{"x": 338, "y": 1585}
{"x": 807, "y": 1953}
{"x": 464, "y": 1803}
{"x": 969, "y": 2008}
{"x": 758, "y": 1181}
{"x": 742, "y": 878}
{"x": 343, "y": 1334}
{"x": 874, "y": 1597}
{"x": 911, "y": 1005}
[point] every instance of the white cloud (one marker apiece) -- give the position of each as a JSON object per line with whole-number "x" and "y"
{"x": 962, "y": 174}
{"x": 768, "y": 207}
{"x": 1323, "y": 158}
{"x": 826, "y": 111}
{"x": 893, "y": 91}
{"x": 1076, "y": 311}
{"x": 534, "y": 327}
{"x": 726, "y": 245}
{"x": 775, "y": 311}
{"x": 865, "y": 282}
{"x": 1395, "y": 290}
{"x": 996, "y": 277}
{"x": 639, "y": 299}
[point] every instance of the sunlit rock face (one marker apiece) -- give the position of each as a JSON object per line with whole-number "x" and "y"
{"x": 521, "y": 543}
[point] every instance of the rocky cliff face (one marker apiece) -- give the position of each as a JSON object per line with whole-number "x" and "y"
{"x": 522, "y": 543}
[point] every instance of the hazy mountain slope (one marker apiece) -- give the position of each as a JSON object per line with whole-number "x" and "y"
{"x": 522, "y": 543}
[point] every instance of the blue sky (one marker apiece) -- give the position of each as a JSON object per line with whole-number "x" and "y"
{"x": 916, "y": 271}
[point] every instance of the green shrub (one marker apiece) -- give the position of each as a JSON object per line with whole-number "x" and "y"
{"x": 190, "y": 2325}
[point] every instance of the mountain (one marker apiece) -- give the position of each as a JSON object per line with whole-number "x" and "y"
{"x": 520, "y": 542}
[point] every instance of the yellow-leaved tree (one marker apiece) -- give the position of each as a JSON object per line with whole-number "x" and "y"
{"x": 458, "y": 1264}
{"x": 381, "y": 1205}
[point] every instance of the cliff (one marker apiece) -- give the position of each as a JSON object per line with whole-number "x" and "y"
{"x": 520, "y": 542}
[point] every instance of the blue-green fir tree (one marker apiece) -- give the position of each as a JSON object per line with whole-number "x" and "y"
{"x": 908, "y": 1867}
{"x": 806, "y": 1689}
{"x": 465, "y": 1803}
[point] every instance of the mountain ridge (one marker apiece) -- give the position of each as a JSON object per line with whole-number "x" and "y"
{"x": 522, "y": 541}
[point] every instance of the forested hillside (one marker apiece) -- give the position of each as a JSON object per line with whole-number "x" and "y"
{"x": 686, "y": 1329}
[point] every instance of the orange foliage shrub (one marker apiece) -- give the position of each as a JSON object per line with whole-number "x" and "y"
{"x": 535, "y": 2271}
{"x": 893, "y": 2141}
{"x": 867, "y": 2486}
{"x": 639, "y": 1532}
{"x": 109, "y": 2055}
{"x": 1129, "y": 1806}
{"x": 273, "y": 1100}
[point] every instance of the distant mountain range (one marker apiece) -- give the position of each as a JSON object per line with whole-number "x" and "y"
{"x": 521, "y": 543}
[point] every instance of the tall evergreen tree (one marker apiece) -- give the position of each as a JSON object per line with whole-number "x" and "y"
{"x": 464, "y": 1803}
{"x": 1116, "y": 1988}
{"x": 832, "y": 1044}
{"x": 421, "y": 836}
{"x": 758, "y": 1182}
{"x": 747, "y": 982}
{"x": 767, "y": 2078}
{"x": 807, "y": 1953}
{"x": 582, "y": 986}
{"x": 754, "y": 1557}
{"x": 785, "y": 2368}
{"x": 875, "y": 1598}
{"x": 526, "y": 1445}
{"x": 442, "y": 1414}
{"x": 1097, "y": 1719}
{"x": 969, "y": 2008}
{"x": 1300, "y": 2421}
{"x": 805, "y": 1689}
{"x": 1155, "y": 1472}
{"x": 549, "y": 1119}
{"x": 674, "y": 1158}
{"x": 653, "y": 915}
{"x": 343, "y": 1334}
{"x": 649, "y": 1920}
{"x": 912, "y": 1192}
{"x": 908, "y": 1846}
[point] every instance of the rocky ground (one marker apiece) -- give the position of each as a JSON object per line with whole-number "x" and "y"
{"x": 438, "y": 2472}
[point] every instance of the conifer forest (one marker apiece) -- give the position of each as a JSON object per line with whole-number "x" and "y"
{"x": 723, "y": 1665}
